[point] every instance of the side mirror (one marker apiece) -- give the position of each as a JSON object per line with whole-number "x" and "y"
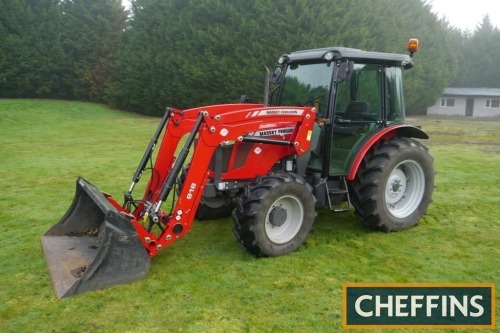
{"x": 276, "y": 75}
{"x": 344, "y": 71}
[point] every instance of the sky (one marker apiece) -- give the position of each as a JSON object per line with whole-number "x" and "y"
{"x": 463, "y": 14}
{"x": 466, "y": 15}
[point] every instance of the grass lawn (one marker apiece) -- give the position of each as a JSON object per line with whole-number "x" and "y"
{"x": 205, "y": 282}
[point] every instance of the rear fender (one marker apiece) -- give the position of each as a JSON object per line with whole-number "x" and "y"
{"x": 401, "y": 130}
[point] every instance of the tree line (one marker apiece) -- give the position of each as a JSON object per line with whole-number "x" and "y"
{"x": 186, "y": 53}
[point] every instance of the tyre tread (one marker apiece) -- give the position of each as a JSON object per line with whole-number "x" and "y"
{"x": 249, "y": 205}
{"x": 365, "y": 187}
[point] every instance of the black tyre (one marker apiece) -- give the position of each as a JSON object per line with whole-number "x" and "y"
{"x": 209, "y": 208}
{"x": 214, "y": 208}
{"x": 394, "y": 185}
{"x": 274, "y": 215}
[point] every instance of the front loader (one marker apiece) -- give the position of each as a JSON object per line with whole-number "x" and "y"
{"x": 331, "y": 134}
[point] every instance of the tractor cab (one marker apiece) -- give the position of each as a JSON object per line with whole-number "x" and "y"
{"x": 357, "y": 93}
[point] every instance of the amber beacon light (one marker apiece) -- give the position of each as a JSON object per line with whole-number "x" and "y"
{"x": 412, "y": 46}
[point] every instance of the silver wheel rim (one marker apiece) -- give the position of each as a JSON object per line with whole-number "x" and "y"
{"x": 290, "y": 222}
{"x": 405, "y": 188}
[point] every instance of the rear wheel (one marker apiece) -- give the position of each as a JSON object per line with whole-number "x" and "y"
{"x": 274, "y": 215}
{"x": 394, "y": 185}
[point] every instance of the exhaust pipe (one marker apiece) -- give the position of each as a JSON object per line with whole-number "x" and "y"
{"x": 266, "y": 86}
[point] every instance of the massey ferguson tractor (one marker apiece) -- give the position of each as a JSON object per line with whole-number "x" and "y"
{"x": 330, "y": 134}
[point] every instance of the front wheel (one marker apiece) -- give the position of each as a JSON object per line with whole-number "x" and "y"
{"x": 394, "y": 185}
{"x": 274, "y": 215}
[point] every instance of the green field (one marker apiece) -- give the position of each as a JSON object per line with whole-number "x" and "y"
{"x": 206, "y": 282}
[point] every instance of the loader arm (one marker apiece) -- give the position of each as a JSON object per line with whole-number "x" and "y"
{"x": 99, "y": 243}
{"x": 211, "y": 126}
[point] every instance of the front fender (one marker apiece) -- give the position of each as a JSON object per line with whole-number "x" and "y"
{"x": 400, "y": 130}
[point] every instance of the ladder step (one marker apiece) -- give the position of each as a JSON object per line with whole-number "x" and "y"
{"x": 336, "y": 191}
{"x": 340, "y": 209}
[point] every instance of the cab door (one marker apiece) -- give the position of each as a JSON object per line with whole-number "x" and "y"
{"x": 357, "y": 114}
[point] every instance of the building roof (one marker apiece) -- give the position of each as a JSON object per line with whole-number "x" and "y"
{"x": 494, "y": 92}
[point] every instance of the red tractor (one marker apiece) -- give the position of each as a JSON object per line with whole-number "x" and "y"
{"x": 330, "y": 134}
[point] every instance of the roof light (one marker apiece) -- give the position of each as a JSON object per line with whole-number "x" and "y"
{"x": 412, "y": 45}
{"x": 328, "y": 55}
{"x": 283, "y": 59}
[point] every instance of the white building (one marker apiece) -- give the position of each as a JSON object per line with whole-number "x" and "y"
{"x": 469, "y": 102}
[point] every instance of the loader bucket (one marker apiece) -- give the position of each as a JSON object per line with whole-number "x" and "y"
{"x": 93, "y": 246}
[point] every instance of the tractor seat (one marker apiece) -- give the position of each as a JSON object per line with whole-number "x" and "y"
{"x": 356, "y": 109}
{"x": 356, "y": 112}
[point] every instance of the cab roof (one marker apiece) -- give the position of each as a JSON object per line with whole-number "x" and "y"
{"x": 350, "y": 54}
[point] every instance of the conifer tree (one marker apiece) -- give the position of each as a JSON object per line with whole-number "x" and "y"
{"x": 479, "y": 60}
{"x": 93, "y": 32}
{"x": 30, "y": 51}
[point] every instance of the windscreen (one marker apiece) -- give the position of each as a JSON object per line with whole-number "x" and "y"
{"x": 307, "y": 84}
